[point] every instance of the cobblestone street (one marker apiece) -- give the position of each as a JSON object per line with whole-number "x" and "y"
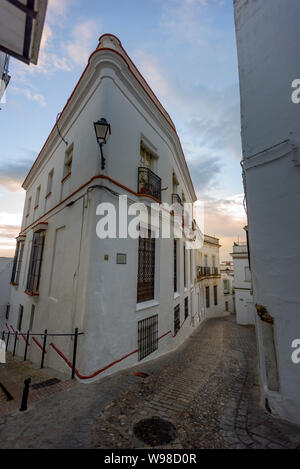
{"x": 208, "y": 389}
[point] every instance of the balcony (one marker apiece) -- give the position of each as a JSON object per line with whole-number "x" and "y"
{"x": 207, "y": 272}
{"x": 149, "y": 183}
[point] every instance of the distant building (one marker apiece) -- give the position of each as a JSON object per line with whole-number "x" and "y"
{"x": 242, "y": 284}
{"x": 227, "y": 276}
{"x": 268, "y": 38}
{"x": 209, "y": 278}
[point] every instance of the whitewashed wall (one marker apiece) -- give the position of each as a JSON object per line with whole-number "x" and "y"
{"x": 79, "y": 288}
{"x": 268, "y": 47}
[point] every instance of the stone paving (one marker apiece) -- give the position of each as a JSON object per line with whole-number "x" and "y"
{"x": 208, "y": 389}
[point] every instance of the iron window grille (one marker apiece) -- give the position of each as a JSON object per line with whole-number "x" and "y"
{"x": 14, "y": 270}
{"x": 184, "y": 266}
{"x": 35, "y": 264}
{"x": 176, "y": 319}
{"x": 216, "y": 295}
{"x": 19, "y": 263}
{"x": 207, "y": 297}
{"x": 147, "y": 336}
{"x": 146, "y": 269}
{"x": 186, "y": 307}
{"x": 149, "y": 183}
{"x": 175, "y": 265}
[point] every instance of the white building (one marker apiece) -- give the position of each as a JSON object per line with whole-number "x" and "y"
{"x": 208, "y": 274}
{"x": 5, "y": 274}
{"x": 242, "y": 285}
{"x": 227, "y": 277}
{"x": 133, "y": 299}
{"x": 268, "y": 38}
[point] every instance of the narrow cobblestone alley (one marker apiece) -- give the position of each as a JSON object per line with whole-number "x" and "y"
{"x": 208, "y": 389}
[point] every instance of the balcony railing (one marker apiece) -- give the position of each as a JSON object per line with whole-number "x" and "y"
{"x": 207, "y": 271}
{"x": 149, "y": 183}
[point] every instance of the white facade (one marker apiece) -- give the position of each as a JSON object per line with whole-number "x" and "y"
{"x": 227, "y": 277}
{"x": 5, "y": 273}
{"x": 242, "y": 285}
{"x": 209, "y": 279}
{"x": 268, "y": 47}
{"x": 81, "y": 283}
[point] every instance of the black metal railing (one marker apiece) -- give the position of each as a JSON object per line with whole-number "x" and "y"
{"x": 149, "y": 183}
{"x": 45, "y": 335}
{"x": 207, "y": 271}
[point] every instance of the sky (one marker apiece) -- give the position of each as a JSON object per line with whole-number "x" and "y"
{"x": 186, "y": 51}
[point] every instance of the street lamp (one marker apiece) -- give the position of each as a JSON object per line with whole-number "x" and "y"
{"x": 102, "y": 130}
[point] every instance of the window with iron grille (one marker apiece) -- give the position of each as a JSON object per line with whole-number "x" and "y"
{"x": 186, "y": 308}
{"x": 146, "y": 269}
{"x": 20, "y": 317}
{"x": 14, "y": 270}
{"x": 184, "y": 265}
{"x": 147, "y": 336}
{"x": 175, "y": 265}
{"x": 176, "y": 319}
{"x": 216, "y": 295}
{"x": 207, "y": 297}
{"x": 7, "y": 311}
{"x": 17, "y": 264}
{"x": 35, "y": 264}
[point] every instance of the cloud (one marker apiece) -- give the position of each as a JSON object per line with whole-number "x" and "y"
{"x": 204, "y": 173}
{"x": 9, "y": 229}
{"x": 12, "y": 174}
{"x": 30, "y": 95}
{"x": 83, "y": 37}
{"x": 226, "y": 219}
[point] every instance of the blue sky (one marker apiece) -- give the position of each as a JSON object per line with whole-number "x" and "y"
{"x": 186, "y": 51}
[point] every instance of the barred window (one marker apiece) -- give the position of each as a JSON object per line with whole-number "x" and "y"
{"x": 14, "y": 270}
{"x": 175, "y": 265}
{"x": 17, "y": 264}
{"x": 186, "y": 307}
{"x": 176, "y": 319}
{"x": 207, "y": 297}
{"x": 35, "y": 264}
{"x": 216, "y": 295}
{"x": 147, "y": 336}
{"x": 184, "y": 265}
{"x": 146, "y": 269}
{"x": 7, "y": 311}
{"x": 20, "y": 317}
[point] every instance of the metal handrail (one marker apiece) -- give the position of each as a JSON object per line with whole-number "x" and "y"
{"x": 43, "y": 335}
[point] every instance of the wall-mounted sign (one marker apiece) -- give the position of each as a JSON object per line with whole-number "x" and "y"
{"x": 121, "y": 258}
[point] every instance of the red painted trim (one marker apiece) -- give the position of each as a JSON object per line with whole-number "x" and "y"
{"x": 66, "y": 178}
{"x": 14, "y": 284}
{"x": 99, "y": 176}
{"x": 29, "y": 293}
{"x": 38, "y": 344}
{"x": 134, "y": 75}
